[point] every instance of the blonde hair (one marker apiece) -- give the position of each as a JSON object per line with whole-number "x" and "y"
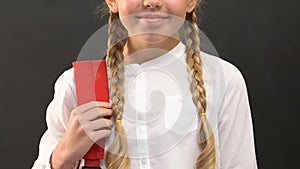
{"x": 117, "y": 155}
{"x": 207, "y": 157}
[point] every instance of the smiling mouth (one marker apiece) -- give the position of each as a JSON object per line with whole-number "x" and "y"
{"x": 152, "y": 18}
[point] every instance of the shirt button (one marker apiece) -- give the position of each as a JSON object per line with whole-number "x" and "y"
{"x": 140, "y": 116}
{"x": 143, "y": 160}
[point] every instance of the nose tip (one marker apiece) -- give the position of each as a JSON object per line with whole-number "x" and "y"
{"x": 152, "y": 3}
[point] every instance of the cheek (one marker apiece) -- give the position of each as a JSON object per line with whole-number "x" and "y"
{"x": 128, "y": 7}
{"x": 177, "y": 8}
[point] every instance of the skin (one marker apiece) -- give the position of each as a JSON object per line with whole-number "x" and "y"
{"x": 145, "y": 35}
{"x": 81, "y": 134}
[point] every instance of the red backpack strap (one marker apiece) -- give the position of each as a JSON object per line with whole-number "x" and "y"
{"x": 91, "y": 85}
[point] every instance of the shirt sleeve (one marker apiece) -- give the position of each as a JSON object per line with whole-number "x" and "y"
{"x": 237, "y": 150}
{"x": 57, "y": 116}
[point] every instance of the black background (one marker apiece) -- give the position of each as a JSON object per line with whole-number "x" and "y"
{"x": 40, "y": 38}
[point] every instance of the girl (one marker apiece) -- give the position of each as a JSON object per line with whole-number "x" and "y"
{"x": 172, "y": 105}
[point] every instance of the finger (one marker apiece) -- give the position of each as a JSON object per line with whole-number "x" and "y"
{"x": 98, "y": 125}
{"x": 92, "y": 114}
{"x": 100, "y": 134}
{"x": 102, "y": 112}
{"x": 93, "y": 104}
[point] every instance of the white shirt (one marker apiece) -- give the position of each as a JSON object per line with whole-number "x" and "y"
{"x": 160, "y": 118}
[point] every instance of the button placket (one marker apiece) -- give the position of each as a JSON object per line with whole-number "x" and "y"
{"x": 141, "y": 127}
{"x": 144, "y": 163}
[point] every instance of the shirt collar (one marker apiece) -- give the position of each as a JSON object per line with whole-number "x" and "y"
{"x": 160, "y": 61}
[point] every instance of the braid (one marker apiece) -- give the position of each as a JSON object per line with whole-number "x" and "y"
{"x": 207, "y": 158}
{"x": 117, "y": 156}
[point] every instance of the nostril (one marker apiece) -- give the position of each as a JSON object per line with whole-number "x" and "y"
{"x": 152, "y": 6}
{"x": 152, "y": 3}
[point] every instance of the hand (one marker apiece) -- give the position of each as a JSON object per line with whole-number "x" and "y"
{"x": 86, "y": 126}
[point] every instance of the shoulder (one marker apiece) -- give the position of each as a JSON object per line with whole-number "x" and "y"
{"x": 65, "y": 81}
{"x": 230, "y": 75}
{"x": 63, "y": 102}
{"x": 67, "y": 76}
{"x": 234, "y": 78}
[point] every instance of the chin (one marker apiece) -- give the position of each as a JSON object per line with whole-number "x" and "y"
{"x": 154, "y": 39}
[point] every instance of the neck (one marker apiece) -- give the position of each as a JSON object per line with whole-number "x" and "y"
{"x": 137, "y": 50}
